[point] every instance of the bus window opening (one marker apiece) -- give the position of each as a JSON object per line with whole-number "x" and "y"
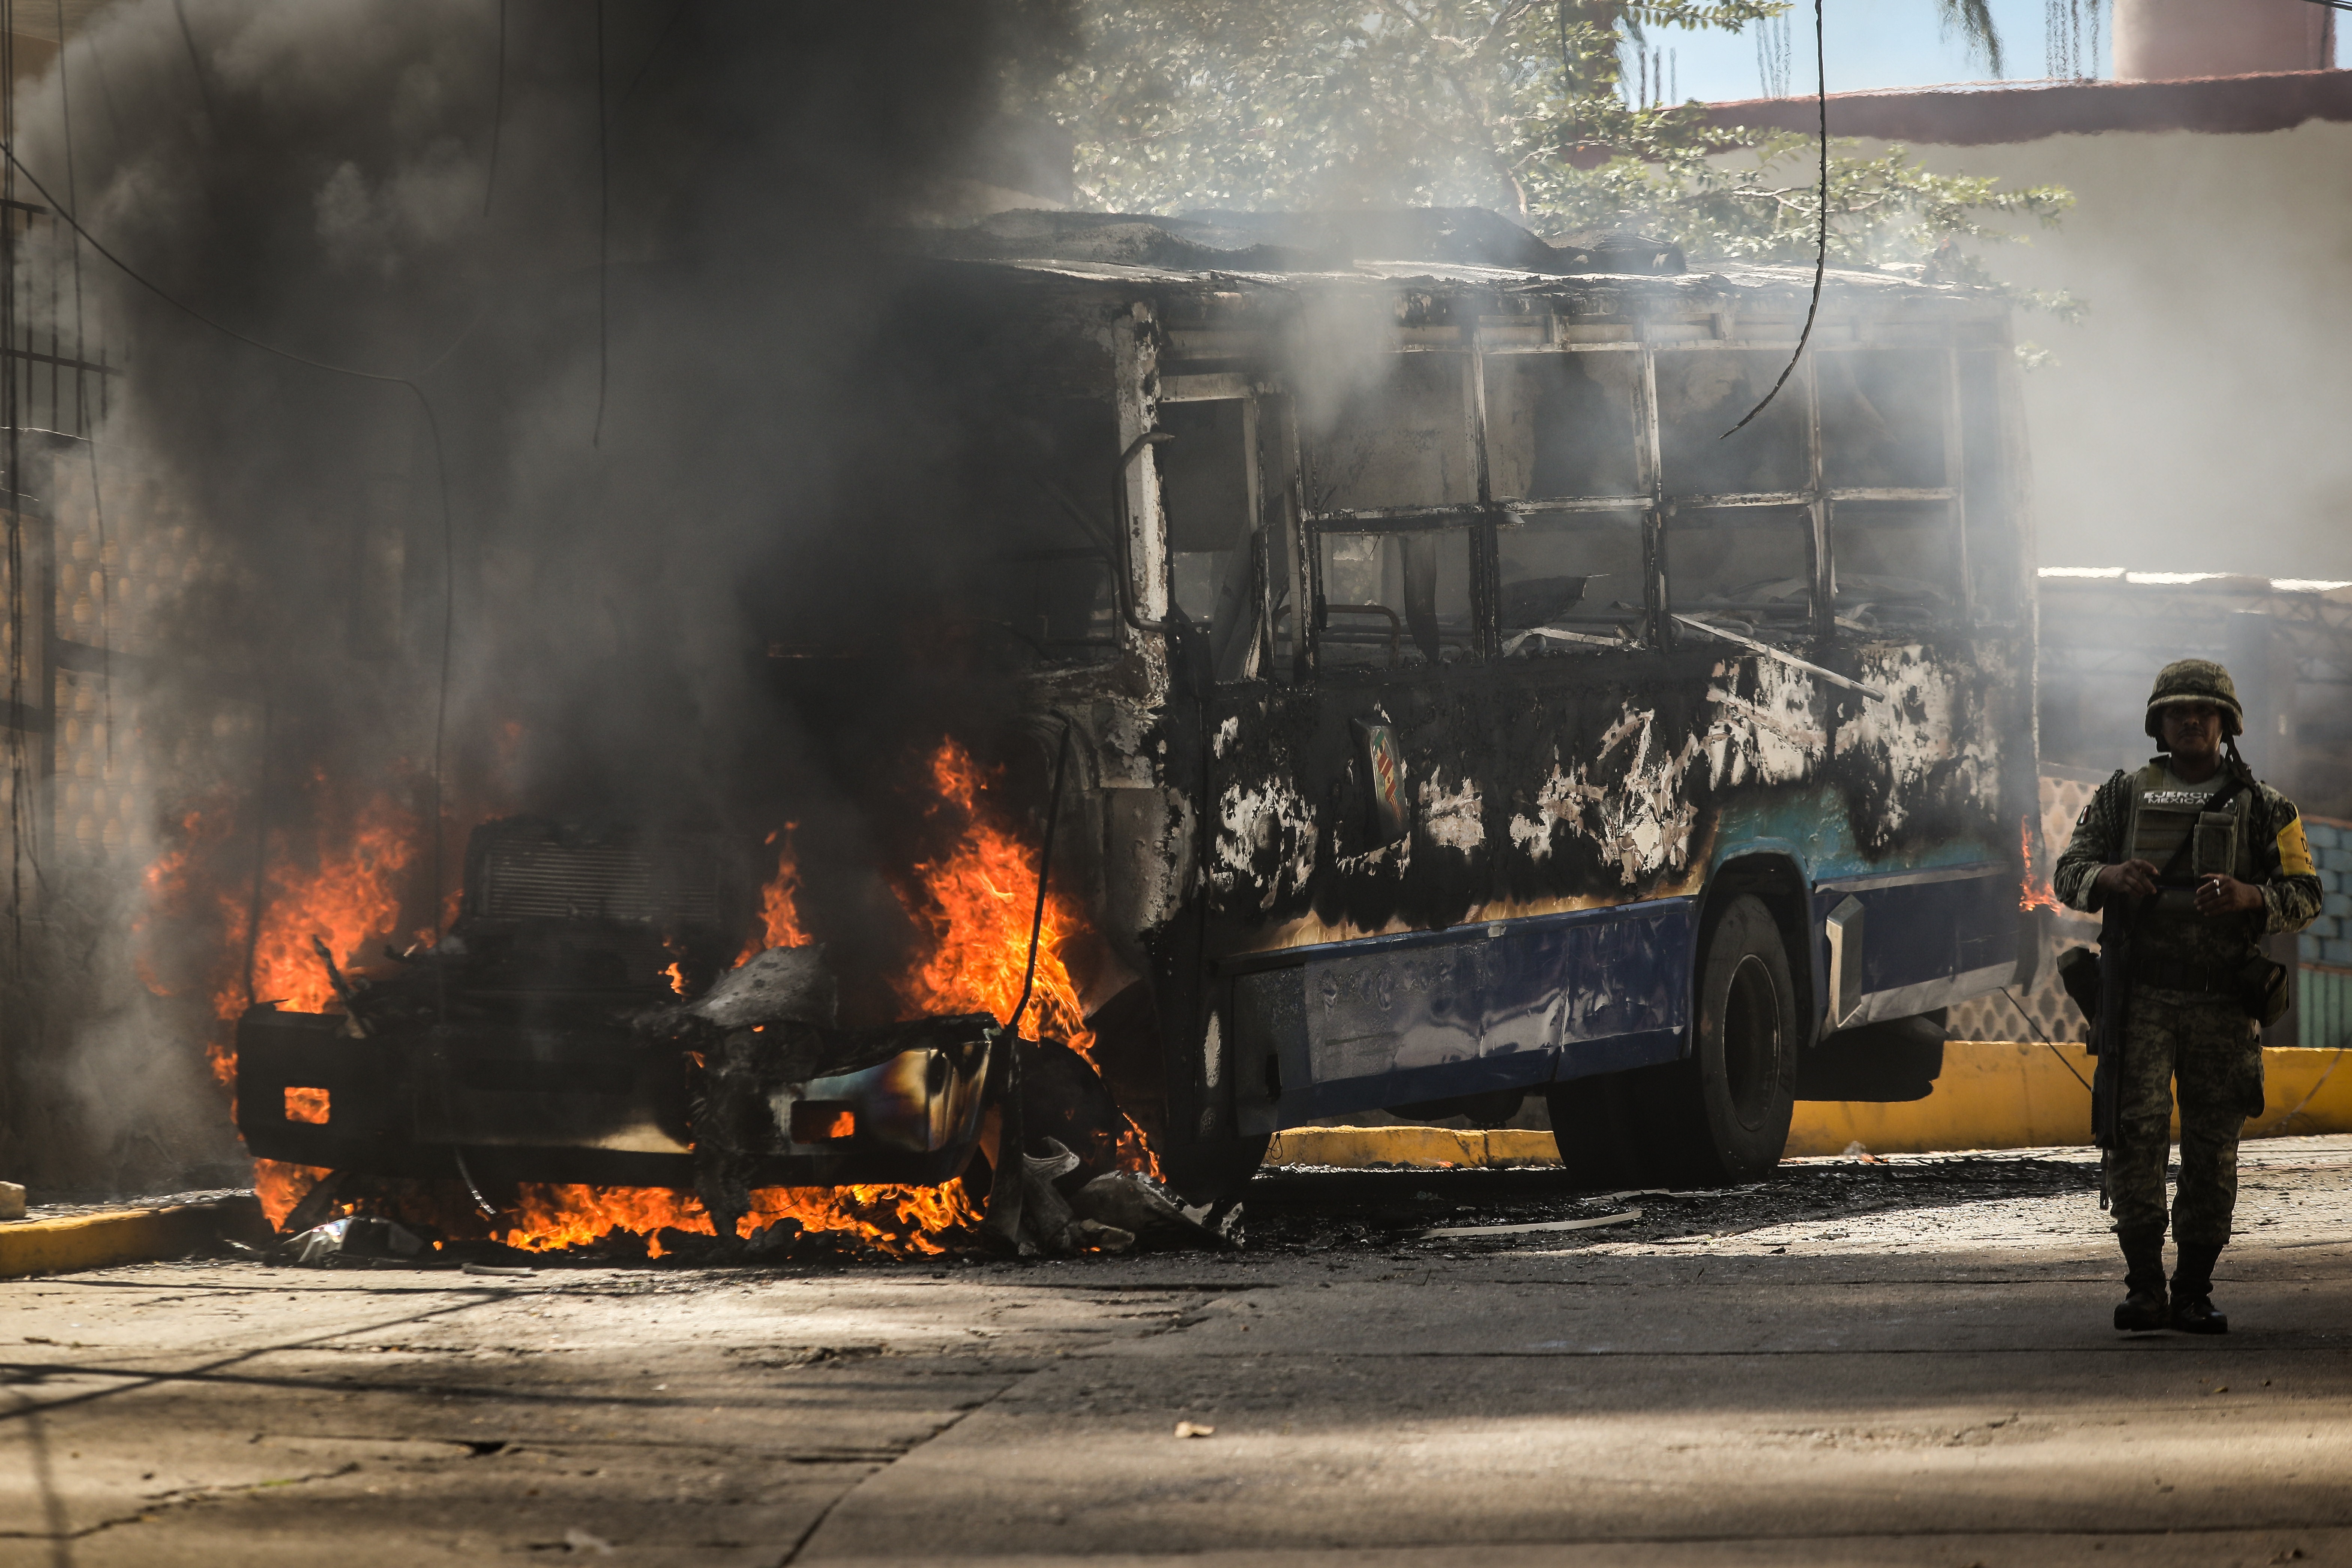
{"x": 1207, "y": 489}
{"x": 1883, "y": 419}
{"x": 1897, "y": 564}
{"x": 1702, "y": 394}
{"x": 1562, "y": 425}
{"x": 1743, "y": 566}
{"x": 1571, "y": 584}
{"x": 1396, "y": 599}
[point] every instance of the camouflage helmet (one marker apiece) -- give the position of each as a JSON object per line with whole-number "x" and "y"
{"x": 2186, "y": 680}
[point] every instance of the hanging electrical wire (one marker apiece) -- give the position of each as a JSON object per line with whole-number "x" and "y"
{"x": 1821, "y": 239}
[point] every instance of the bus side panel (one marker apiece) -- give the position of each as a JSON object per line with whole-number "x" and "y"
{"x": 1365, "y": 1025}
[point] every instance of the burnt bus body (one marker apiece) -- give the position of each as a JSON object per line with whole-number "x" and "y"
{"x": 1462, "y": 715}
{"x": 1452, "y": 713}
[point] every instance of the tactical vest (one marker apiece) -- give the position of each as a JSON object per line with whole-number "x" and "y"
{"x": 2176, "y": 946}
{"x": 2157, "y": 819}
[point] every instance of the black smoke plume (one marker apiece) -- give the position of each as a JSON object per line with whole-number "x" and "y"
{"x": 680, "y": 421}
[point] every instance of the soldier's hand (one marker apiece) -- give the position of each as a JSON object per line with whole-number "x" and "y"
{"x": 2135, "y": 879}
{"x": 2219, "y": 895}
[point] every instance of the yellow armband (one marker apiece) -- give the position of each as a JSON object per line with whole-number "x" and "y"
{"x": 2294, "y": 853}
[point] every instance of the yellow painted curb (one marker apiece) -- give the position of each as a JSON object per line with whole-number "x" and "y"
{"x": 64, "y": 1244}
{"x": 1992, "y": 1094}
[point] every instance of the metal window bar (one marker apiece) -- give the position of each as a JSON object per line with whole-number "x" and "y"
{"x": 1656, "y": 504}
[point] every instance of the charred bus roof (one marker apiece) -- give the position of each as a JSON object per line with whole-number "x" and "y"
{"x": 1236, "y": 267}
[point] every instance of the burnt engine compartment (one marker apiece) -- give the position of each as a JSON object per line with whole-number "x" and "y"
{"x": 549, "y": 1037}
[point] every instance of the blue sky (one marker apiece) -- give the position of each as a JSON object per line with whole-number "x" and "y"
{"x": 1871, "y": 43}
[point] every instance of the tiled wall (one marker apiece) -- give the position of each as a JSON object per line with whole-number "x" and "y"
{"x": 2324, "y": 988}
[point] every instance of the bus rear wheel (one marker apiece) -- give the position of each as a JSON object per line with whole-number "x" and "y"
{"x": 1732, "y": 1097}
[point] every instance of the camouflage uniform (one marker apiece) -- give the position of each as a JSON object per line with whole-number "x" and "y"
{"x": 2200, "y": 1036}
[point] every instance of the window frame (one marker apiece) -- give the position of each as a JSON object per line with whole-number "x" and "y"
{"x": 1656, "y": 504}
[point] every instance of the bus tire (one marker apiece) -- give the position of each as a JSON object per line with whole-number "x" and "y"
{"x": 1738, "y": 1087}
{"x": 1602, "y": 1128}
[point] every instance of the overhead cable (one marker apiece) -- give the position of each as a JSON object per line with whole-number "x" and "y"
{"x": 1822, "y": 242}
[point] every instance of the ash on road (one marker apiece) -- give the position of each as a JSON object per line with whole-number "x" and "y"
{"x": 1855, "y": 1363}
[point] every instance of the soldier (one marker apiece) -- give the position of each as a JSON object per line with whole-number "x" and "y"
{"x": 2211, "y": 859}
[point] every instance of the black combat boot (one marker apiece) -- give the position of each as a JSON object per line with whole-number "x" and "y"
{"x": 2192, "y": 1293}
{"x": 2142, "y": 1312}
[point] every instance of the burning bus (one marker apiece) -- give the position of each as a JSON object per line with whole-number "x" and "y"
{"x": 1433, "y": 689}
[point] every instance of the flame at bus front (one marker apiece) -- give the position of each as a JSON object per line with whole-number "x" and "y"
{"x": 2032, "y": 892}
{"x": 978, "y": 900}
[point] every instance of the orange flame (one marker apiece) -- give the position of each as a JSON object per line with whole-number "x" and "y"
{"x": 350, "y": 898}
{"x": 975, "y": 900}
{"x": 2032, "y": 892}
{"x": 280, "y": 1187}
{"x": 780, "y": 920}
{"x": 978, "y": 900}
{"x": 904, "y": 1222}
{"x": 347, "y": 893}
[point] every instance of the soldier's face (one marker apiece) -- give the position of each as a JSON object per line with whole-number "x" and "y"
{"x": 2193, "y": 729}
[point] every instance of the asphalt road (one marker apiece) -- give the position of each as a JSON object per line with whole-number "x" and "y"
{"x": 1908, "y": 1362}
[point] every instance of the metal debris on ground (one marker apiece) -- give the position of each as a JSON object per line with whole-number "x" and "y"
{"x": 354, "y": 1238}
{"x": 1595, "y": 1223}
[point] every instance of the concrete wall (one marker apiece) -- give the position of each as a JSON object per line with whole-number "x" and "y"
{"x": 2196, "y": 419}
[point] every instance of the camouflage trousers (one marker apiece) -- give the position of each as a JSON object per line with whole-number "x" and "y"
{"x": 2214, "y": 1051}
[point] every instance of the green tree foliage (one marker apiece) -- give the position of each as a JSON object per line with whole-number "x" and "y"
{"x": 1179, "y": 105}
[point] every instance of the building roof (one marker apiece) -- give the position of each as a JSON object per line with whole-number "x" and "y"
{"x": 2209, "y": 582}
{"x": 1981, "y": 113}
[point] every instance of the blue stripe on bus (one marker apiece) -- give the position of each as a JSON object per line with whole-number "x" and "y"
{"x": 1433, "y": 1015}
